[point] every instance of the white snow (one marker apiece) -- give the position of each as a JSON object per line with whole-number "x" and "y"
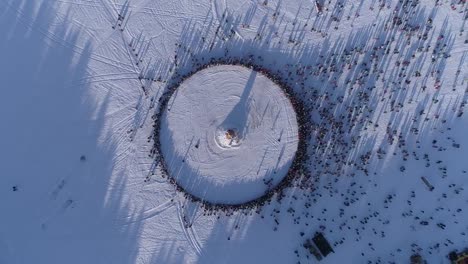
{"x": 193, "y": 134}
{"x": 75, "y": 80}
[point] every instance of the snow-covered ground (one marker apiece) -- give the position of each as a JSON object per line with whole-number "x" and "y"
{"x": 385, "y": 83}
{"x": 228, "y": 167}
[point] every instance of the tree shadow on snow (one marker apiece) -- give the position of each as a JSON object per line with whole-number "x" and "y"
{"x": 58, "y": 201}
{"x": 345, "y": 107}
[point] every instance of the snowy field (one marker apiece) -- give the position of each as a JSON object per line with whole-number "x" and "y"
{"x": 384, "y": 83}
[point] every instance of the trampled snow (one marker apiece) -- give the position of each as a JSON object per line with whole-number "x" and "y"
{"x": 385, "y": 84}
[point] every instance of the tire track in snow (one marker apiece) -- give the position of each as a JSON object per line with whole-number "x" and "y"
{"x": 220, "y": 19}
{"x": 135, "y": 60}
{"x": 214, "y": 10}
{"x": 189, "y": 233}
{"x": 150, "y": 213}
{"x": 62, "y": 42}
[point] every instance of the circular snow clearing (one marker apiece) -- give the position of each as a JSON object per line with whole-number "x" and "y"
{"x": 229, "y": 134}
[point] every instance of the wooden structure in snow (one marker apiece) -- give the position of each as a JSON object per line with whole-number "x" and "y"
{"x": 428, "y": 184}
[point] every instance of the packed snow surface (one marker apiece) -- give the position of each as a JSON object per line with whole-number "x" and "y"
{"x": 228, "y": 131}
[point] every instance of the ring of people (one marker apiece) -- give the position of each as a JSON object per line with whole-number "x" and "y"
{"x": 228, "y": 134}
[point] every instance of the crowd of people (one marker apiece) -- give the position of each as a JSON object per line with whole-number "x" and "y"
{"x": 328, "y": 117}
{"x": 337, "y": 96}
{"x": 298, "y": 167}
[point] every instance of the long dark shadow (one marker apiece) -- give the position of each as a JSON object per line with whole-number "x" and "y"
{"x": 238, "y": 117}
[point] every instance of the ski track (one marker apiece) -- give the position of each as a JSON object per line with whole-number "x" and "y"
{"x": 60, "y": 41}
{"x": 189, "y": 234}
{"x": 150, "y": 213}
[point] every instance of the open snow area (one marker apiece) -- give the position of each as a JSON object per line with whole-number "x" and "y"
{"x": 384, "y": 85}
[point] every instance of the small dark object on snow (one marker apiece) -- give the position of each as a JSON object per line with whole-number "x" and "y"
{"x": 416, "y": 259}
{"x": 15, "y": 188}
{"x": 322, "y": 244}
{"x": 453, "y": 255}
{"x": 428, "y": 184}
{"x": 83, "y": 158}
{"x": 458, "y": 258}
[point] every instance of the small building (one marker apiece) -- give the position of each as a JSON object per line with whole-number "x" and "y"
{"x": 322, "y": 244}
{"x": 312, "y": 249}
